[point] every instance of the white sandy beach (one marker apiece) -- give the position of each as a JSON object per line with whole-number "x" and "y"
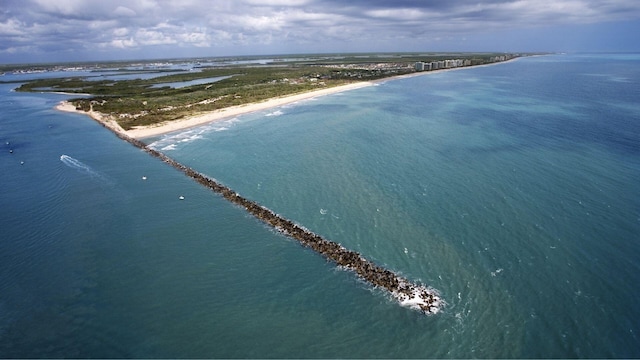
{"x": 175, "y": 125}
{"x": 232, "y": 111}
{"x": 107, "y": 121}
{"x": 217, "y": 115}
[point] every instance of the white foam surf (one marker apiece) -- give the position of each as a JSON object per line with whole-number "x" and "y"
{"x": 275, "y": 113}
{"x": 171, "y": 141}
{"x": 419, "y": 298}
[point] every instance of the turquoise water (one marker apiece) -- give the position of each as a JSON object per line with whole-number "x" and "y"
{"x": 512, "y": 189}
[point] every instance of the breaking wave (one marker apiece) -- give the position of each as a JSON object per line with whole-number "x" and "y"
{"x": 275, "y": 113}
{"x": 171, "y": 141}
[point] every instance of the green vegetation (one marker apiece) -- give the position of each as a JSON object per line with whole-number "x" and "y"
{"x": 135, "y": 102}
{"x": 138, "y": 102}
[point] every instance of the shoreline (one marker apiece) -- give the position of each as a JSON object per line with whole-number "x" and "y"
{"x": 233, "y": 111}
{"x": 209, "y": 117}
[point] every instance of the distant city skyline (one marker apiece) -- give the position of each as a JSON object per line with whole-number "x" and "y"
{"x": 36, "y": 31}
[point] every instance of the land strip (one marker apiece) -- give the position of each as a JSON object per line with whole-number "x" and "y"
{"x": 153, "y": 104}
{"x": 140, "y": 132}
{"x": 189, "y": 117}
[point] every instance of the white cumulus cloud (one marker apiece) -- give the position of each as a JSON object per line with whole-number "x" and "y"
{"x": 155, "y": 26}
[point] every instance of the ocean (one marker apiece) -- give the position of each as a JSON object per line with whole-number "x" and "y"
{"x": 512, "y": 189}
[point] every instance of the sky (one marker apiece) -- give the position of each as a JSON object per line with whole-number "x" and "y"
{"x": 40, "y": 31}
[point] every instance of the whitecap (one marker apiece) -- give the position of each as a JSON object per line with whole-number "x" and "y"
{"x": 275, "y": 113}
{"x": 191, "y": 138}
{"x": 231, "y": 121}
{"x": 170, "y": 141}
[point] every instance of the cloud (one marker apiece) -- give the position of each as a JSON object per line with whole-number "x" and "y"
{"x": 123, "y": 43}
{"x": 120, "y": 32}
{"x": 271, "y": 3}
{"x": 198, "y": 39}
{"x": 151, "y": 26}
{"x": 11, "y": 27}
{"x": 124, "y": 11}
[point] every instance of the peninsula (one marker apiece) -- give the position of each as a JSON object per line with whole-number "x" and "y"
{"x": 197, "y": 119}
{"x": 207, "y": 91}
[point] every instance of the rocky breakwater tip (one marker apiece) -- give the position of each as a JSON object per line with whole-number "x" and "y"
{"x": 417, "y": 297}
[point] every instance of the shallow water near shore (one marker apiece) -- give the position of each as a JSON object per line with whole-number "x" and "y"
{"x": 512, "y": 189}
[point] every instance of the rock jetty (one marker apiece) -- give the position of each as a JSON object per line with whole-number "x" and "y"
{"x": 414, "y": 296}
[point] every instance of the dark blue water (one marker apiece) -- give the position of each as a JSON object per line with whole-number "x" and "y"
{"x": 512, "y": 189}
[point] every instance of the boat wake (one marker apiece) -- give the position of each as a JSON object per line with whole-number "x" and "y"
{"x": 82, "y": 167}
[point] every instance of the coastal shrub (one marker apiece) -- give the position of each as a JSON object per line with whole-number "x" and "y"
{"x": 136, "y": 102}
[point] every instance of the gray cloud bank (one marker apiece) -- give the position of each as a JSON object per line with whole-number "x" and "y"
{"x": 191, "y": 27}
